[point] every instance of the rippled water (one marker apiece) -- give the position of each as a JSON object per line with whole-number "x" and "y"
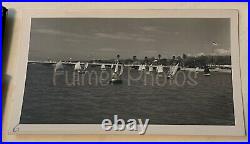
{"x": 199, "y": 100}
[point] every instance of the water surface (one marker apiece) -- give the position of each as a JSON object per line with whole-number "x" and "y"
{"x": 209, "y": 102}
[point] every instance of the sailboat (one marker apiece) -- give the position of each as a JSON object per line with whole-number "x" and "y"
{"x": 103, "y": 68}
{"x": 150, "y": 69}
{"x": 197, "y": 69}
{"x": 86, "y": 66}
{"x": 217, "y": 69}
{"x": 140, "y": 68}
{"x": 116, "y": 76}
{"x": 78, "y": 67}
{"x": 206, "y": 71}
{"x": 173, "y": 71}
{"x": 59, "y": 67}
{"x": 159, "y": 69}
{"x": 143, "y": 67}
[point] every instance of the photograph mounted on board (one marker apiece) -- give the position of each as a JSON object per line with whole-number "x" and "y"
{"x": 158, "y": 75}
{"x": 171, "y": 71}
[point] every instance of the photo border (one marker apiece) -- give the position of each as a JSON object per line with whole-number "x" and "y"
{"x": 22, "y": 60}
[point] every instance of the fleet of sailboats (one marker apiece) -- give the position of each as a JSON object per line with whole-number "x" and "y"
{"x": 119, "y": 68}
{"x": 142, "y": 67}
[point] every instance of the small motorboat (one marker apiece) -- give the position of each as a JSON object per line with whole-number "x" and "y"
{"x": 206, "y": 71}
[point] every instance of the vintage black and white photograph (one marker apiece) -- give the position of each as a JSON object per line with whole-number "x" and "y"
{"x": 172, "y": 71}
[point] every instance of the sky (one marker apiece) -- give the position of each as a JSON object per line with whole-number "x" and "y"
{"x": 104, "y": 38}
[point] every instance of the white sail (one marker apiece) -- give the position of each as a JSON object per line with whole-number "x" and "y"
{"x": 59, "y": 66}
{"x": 86, "y": 65}
{"x": 103, "y": 66}
{"x": 216, "y": 69}
{"x": 196, "y": 69}
{"x": 116, "y": 68}
{"x": 171, "y": 68}
{"x": 175, "y": 68}
{"x": 143, "y": 67}
{"x": 112, "y": 66}
{"x": 140, "y": 68}
{"x": 160, "y": 69}
{"x": 150, "y": 69}
{"x": 121, "y": 71}
{"x": 78, "y": 66}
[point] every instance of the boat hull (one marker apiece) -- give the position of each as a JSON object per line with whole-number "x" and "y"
{"x": 208, "y": 74}
{"x": 115, "y": 81}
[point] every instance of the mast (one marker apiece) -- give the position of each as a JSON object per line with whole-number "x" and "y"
{"x": 86, "y": 65}
{"x": 121, "y": 71}
{"x": 116, "y": 68}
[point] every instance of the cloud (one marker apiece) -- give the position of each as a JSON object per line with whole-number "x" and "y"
{"x": 217, "y": 52}
{"x": 201, "y": 54}
{"x": 159, "y": 29}
{"x": 124, "y": 36}
{"x": 151, "y": 52}
{"x": 222, "y": 52}
{"x": 118, "y": 36}
{"x": 149, "y": 28}
{"x": 58, "y": 32}
{"x": 145, "y": 39}
{"x": 176, "y": 33}
{"x": 107, "y": 49}
{"x": 74, "y": 37}
{"x": 73, "y": 40}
